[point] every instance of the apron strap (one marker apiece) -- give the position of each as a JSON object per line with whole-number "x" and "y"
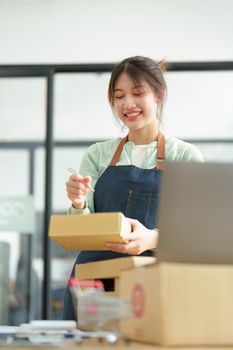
{"x": 160, "y": 151}
{"x": 117, "y": 154}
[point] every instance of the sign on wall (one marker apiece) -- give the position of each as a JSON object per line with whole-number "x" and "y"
{"x": 17, "y": 214}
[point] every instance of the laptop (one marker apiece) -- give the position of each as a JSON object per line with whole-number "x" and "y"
{"x": 195, "y": 214}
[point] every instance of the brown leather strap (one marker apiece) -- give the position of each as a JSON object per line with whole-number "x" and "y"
{"x": 160, "y": 151}
{"x": 117, "y": 154}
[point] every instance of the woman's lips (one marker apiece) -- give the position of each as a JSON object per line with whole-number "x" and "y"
{"x": 132, "y": 115}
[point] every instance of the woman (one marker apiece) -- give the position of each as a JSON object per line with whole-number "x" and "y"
{"x": 126, "y": 172}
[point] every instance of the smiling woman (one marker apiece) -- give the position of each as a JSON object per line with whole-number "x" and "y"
{"x": 126, "y": 172}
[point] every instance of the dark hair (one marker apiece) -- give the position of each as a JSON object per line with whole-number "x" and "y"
{"x": 140, "y": 69}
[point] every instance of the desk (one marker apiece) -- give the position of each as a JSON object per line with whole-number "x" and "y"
{"x": 95, "y": 345}
{"x": 85, "y": 345}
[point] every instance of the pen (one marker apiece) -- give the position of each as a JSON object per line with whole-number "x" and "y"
{"x": 72, "y": 171}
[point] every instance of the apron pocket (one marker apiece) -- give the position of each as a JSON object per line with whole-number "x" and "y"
{"x": 142, "y": 206}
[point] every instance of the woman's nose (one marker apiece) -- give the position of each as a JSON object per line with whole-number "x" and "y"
{"x": 129, "y": 102}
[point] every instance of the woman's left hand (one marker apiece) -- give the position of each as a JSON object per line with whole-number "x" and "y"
{"x": 138, "y": 241}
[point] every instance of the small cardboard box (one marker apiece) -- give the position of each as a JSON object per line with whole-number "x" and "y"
{"x": 88, "y": 232}
{"x": 106, "y": 270}
{"x": 179, "y": 304}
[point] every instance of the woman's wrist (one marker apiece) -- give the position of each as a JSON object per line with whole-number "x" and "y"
{"x": 83, "y": 211}
{"x": 155, "y": 239}
{"x": 79, "y": 206}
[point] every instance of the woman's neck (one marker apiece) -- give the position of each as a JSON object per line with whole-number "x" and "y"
{"x": 143, "y": 137}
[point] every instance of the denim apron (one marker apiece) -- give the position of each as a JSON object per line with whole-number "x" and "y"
{"x": 127, "y": 189}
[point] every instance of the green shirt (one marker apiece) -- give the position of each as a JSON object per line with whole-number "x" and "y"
{"x": 98, "y": 156}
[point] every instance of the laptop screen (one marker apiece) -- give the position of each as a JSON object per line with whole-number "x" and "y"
{"x": 195, "y": 214}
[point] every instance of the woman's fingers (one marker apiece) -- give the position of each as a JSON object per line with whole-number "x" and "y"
{"x": 132, "y": 247}
{"x": 132, "y": 236}
{"x": 76, "y": 184}
{"x": 85, "y": 181}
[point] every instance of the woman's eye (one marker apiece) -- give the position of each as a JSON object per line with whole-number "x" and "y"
{"x": 139, "y": 92}
{"x": 118, "y": 97}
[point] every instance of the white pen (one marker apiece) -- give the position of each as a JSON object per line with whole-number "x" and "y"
{"x": 72, "y": 171}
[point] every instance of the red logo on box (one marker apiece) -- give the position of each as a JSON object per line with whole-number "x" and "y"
{"x": 138, "y": 300}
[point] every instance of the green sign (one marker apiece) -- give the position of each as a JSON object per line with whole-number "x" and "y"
{"x": 17, "y": 214}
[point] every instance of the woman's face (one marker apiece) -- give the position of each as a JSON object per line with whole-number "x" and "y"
{"x": 134, "y": 105}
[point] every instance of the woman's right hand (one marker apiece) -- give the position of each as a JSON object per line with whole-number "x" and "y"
{"x": 77, "y": 188}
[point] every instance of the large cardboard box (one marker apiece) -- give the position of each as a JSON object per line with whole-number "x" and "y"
{"x": 179, "y": 304}
{"x": 88, "y": 232}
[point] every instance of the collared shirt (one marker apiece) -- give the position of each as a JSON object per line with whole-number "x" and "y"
{"x": 98, "y": 156}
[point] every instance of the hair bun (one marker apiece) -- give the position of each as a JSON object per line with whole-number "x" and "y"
{"x": 163, "y": 65}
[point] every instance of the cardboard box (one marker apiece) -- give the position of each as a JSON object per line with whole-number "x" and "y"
{"x": 88, "y": 232}
{"x": 110, "y": 269}
{"x": 179, "y": 304}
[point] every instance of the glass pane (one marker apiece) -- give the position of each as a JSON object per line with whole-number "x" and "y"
{"x": 217, "y": 152}
{"x": 199, "y": 105}
{"x": 14, "y": 180}
{"x": 82, "y": 111}
{"x": 14, "y": 175}
{"x": 22, "y": 115}
{"x": 22, "y": 109}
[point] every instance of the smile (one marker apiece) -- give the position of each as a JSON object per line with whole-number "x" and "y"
{"x": 132, "y": 115}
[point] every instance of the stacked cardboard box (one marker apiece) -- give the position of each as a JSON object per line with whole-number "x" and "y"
{"x": 108, "y": 271}
{"x": 111, "y": 269}
{"x": 179, "y": 304}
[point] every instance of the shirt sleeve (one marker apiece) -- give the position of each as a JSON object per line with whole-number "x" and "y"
{"x": 181, "y": 151}
{"x": 192, "y": 154}
{"x": 84, "y": 211}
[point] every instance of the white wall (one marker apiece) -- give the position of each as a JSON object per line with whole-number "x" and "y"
{"x": 41, "y": 31}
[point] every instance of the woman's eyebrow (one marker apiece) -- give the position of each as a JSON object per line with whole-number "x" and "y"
{"x": 134, "y": 87}
{"x": 117, "y": 90}
{"x": 138, "y": 86}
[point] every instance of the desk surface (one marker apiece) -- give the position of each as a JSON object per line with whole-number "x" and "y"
{"x": 85, "y": 345}
{"x": 95, "y": 345}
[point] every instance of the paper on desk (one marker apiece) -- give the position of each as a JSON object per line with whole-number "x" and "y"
{"x": 8, "y": 330}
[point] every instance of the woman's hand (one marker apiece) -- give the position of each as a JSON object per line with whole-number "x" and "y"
{"x": 138, "y": 241}
{"x": 77, "y": 188}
